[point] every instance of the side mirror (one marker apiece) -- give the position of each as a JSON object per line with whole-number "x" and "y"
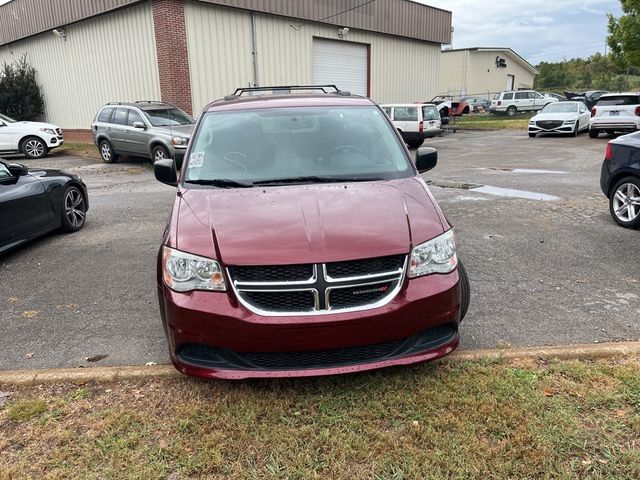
{"x": 17, "y": 169}
{"x": 139, "y": 125}
{"x": 165, "y": 172}
{"x": 426, "y": 159}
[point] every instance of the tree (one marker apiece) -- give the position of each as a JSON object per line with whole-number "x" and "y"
{"x": 20, "y": 94}
{"x": 624, "y": 34}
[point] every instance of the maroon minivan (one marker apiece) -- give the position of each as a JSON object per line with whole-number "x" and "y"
{"x": 303, "y": 241}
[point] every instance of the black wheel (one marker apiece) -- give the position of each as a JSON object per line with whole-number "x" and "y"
{"x": 106, "y": 152}
{"x": 511, "y": 111}
{"x": 624, "y": 202}
{"x": 33, "y": 147}
{"x": 575, "y": 129}
{"x": 532, "y": 135}
{"x": 74, "y": 209}
{"x": 465, "y": 291}
{"x": 159, "y": 153}
{"x": 444, "y": 112}
{"x": 415, "y": 143}
{"x": 593, "y": 133}
{"x": 465, "y": 111}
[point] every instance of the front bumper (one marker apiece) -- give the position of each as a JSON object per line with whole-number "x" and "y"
{"x": 561, "y": 129}
{"x": 211, "y": 335}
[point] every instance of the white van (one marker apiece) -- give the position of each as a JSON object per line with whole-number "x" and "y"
{"x": 513, "y": 102}
{"x": 415, "y": 121}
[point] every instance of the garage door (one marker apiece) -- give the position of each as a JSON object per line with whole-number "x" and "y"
{"x": 344, "y": 64}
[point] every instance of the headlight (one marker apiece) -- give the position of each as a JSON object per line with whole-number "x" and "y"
{"x": 180, "y": 141}
{"x": 435, "y": 256}
{"x": 569, "y": 122}
{"x": 531, "y": 122}
{"x": 185, "y": 272}
{"x": 50, "y": 131}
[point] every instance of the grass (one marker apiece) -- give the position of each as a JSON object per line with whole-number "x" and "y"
{"x": 492, "y": 121}
{"x": 494, "y": 420}
{"x": 85, "y": 150}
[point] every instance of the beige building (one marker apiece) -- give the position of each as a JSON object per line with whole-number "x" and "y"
{"x": 191, "y": 52}
{"x": 483, "y": 71}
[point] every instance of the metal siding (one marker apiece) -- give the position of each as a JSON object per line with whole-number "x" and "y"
{"x": 108, "y": 58}
{"x": 395, "y": 17}
{"x": 402, "y": 70}
{"x": 23, "y": 18}
{"x": 219, "y": 41}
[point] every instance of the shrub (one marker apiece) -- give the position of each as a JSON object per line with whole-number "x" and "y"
{"x": 20, "y": 95}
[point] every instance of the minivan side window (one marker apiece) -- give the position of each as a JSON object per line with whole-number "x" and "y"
{"x": 521, "y": 95}
{"x": 120, "y": 116}
{"x": 405, "y": 114}
{"x": 534, "y": 95}
{"x": 105, "y": 115}
{"x": 387, "y": 110}
{"x": 507, "y": 96}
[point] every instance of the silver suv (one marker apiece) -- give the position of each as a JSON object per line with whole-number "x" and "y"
{"x": 154, "y": 130}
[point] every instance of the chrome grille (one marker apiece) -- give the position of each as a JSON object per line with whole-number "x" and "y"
{"x": 315, "y": 289}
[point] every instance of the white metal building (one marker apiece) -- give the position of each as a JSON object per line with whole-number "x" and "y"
{"x": 484, "y": 71}
{"x": 191, "y": 52}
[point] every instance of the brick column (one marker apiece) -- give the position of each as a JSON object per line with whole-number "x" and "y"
{"x": 172, "y": 52}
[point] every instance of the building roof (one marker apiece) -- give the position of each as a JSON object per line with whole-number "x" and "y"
{"x": 403, "y": 18}
{"x": 506, "y": 50}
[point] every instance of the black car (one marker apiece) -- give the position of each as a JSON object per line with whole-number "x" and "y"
{"x": 34, "y": 202}
{"x": 620, "y": 179}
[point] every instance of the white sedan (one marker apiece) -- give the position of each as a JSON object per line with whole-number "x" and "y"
{"x": 560, "y": 117}
{"x": 33, "y": 139}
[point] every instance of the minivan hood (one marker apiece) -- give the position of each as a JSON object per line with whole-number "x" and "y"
{"x": 307, "y": 223}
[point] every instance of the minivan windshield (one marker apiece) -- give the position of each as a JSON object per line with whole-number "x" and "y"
{"x": 6, "y": 119}
{"x": 166, "y": 117}
{"x": 295, "y": 145}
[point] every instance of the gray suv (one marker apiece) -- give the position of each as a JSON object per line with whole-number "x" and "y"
{"x": 154, "y": 130}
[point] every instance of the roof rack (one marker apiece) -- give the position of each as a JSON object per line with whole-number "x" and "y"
{"x": 285, "y": 89}
{"x": 150, "y": 101}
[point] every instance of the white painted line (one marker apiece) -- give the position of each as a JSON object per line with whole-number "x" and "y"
{"x": 508, "y": 192}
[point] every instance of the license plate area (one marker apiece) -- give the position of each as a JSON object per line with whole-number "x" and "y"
{"x": 614, "y": 113}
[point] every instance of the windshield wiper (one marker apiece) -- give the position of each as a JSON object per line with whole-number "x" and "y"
{"x": 220, "y": 182}
{"x": 316, "y": 179}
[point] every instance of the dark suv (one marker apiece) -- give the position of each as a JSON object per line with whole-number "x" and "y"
{"x": 153, "y": 130}
{"x": 304, "y": 241}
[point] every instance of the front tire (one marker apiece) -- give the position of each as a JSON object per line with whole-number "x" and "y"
{"x": 593, "y": 133}
{"x": 576, "y": 129}
{"x": 465, "y": 291}
{"x": 511, "y": 111}
{"x": 74, "y": 209}
{"x": 532, "y": 135}
{"x": 106, "y": 152}
{"x": 624, "y": 202}
{"x": 34, "y": 147}
{"x": 159, "y": 153}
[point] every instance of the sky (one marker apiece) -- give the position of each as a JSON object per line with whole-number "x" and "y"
{"x": 538, "y": 30}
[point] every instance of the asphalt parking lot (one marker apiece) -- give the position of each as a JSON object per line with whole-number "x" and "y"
{"x": 548, "y": 268}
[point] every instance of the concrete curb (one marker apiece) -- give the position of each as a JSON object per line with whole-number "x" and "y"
{"x": 115, "y": 374}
